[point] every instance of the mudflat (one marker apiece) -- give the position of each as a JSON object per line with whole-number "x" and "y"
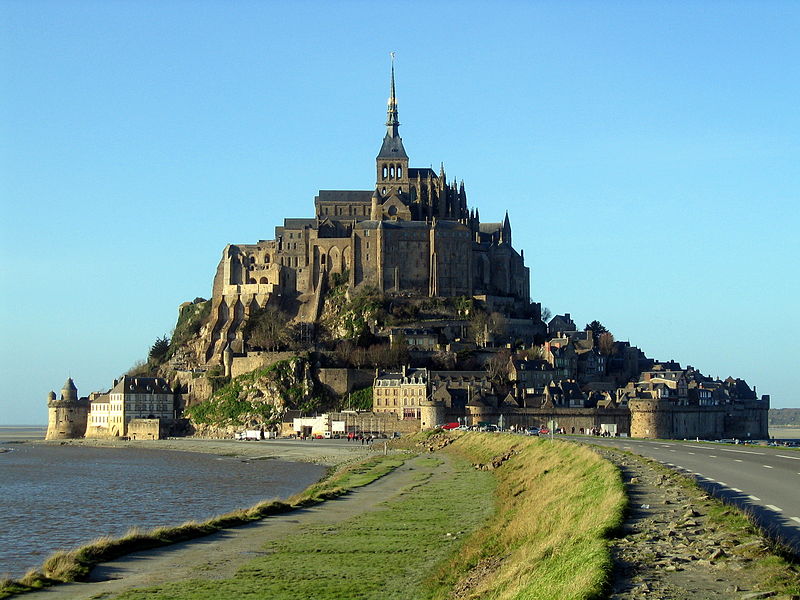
{"x": 324, "y": 452}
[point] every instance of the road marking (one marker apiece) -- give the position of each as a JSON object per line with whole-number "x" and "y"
{"x": 691, "y": 452}
{"x": 737, "y": 460}
{"x": 796, "y": 519}
{"x": 669, "y": 464}
{"x": 737, "y": 490}
{"x": 701, "y": 447}
{"x": 767, "y": 467}
{"x": 789, "y": 457}
{"x": 775, "y": 508}
{"x": 744, "y": 452}
{"x": 673, "y": 450}
{"x": 756, "y": 498}
{"x": 711, "y": 456}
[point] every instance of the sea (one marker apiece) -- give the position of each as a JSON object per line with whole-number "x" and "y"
{"x": 59, "y": 497}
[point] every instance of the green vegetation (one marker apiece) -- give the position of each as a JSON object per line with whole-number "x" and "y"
{"x": 159, "y": 349}
{"x": 240, "y": 400}
{"x": 75, "y": 565}
{"x": 556, "y": 505}
{"x": 383, "y": 553}
{"x": 360, "y": 399}
{"x": 191, "y": 319}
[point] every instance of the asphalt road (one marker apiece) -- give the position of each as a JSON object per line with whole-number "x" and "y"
{"x": 765, "y": 481}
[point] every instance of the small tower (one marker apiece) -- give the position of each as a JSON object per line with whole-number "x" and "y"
{"x": 227, "y": 360}
{"x": 68, "y": 415}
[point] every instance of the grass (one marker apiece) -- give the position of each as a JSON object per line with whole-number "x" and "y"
{"x": 75, "y": 565}
{"x": 534, "y": 527}
{"x": 387, "y": 552}
{"x": 557, "y": 504}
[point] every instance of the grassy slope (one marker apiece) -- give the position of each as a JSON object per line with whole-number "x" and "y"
{"x": 557, "y": 502}
{"x": 551, "y": 509}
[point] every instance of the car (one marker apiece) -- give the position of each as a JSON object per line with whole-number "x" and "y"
{"x": 532, "y": 431}
{"x": 544, "y": 431}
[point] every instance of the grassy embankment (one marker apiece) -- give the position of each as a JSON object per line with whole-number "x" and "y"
{"x": 75, "y": 565}
{"x": 533, "y": 527}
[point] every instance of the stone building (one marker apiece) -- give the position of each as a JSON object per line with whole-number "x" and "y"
{"x": 412, "y": 234}
{"x": 133, "y": 407}
{"x": 66, "y": 416}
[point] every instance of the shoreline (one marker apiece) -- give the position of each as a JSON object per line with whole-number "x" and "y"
{"x": 331, "y": 453}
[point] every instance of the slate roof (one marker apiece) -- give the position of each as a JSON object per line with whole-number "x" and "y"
{"x": 392, "y": 147}
{"x": 344, "y": 196}
{"x": 141, "y": 385}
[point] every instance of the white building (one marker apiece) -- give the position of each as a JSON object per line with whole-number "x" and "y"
{"x": 110, "y": 413}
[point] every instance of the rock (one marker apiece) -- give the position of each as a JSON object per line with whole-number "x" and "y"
{"x": 755, "y": 595}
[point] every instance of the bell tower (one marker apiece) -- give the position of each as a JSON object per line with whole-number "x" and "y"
{"x": 392, "y": 161}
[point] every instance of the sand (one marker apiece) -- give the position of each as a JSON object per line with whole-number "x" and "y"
{"x": 324, "y": 452}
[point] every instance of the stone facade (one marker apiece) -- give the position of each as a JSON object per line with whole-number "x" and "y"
{"x": 66, "y": 415}
{"x": 413, "y": 234}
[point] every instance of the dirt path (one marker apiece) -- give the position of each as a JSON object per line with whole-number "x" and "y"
{"x": 218, "y": 556}
{"x": 669, "y": 548}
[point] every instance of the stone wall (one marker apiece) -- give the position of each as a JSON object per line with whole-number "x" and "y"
{"x": 342, "y": 381}
{"x": 257, "y": 360}
{"x": 145, "y": 429}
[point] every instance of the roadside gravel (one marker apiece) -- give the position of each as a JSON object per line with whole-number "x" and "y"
{"x": 670, "y": 548}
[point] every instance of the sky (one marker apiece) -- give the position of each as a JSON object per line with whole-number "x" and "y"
{"x": 647, "y": 153}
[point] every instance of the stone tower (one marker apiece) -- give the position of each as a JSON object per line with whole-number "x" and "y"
{"x": 650, "y": 418}
{"x": 392, "y": 160}
{"x": 432, "y": 413}
{"x": 67, "y": 416}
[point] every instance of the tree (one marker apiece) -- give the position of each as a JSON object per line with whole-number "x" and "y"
{"x": 158, "y": 351}
{"x": 546, "y": 314}
{"x": 266, "y": 329}
{"x": 606, "y": 343}
{"x": 497, "y": 366}
{"x": 597, "y": 330}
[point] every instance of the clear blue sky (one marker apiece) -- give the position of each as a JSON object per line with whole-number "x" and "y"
{"x": 647, "y": 153}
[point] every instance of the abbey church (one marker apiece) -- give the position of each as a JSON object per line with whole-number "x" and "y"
{"x": 413, "y": 234}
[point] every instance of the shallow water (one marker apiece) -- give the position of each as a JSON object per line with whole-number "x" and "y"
{"x": 57, "y": 497}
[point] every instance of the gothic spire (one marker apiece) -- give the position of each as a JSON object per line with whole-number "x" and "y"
{"x": 392, "y": 121}
{"x": 392, "y": 142}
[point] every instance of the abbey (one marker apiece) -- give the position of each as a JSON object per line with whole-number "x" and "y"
{"x": 413, "y": 234}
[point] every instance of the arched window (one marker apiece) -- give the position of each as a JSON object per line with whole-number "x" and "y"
{"x": 391, "y": 171}
{"x": 399, "y": 171}
{"x": 266, "y": 258}
{"x": 384, "y": 171}
{"x": 251, "y": 280}
{"x": 263, "y": 280}
{"x": 252, "y": 260}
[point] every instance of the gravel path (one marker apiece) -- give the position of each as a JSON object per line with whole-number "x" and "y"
{"x": 668, "y": 549}
{"x": 218, "y": 556}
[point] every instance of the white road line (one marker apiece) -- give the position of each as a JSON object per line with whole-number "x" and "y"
{"x": 701, "y": 447}
{"x": 767, "y": 467}
{"x": 737, "y": 490}
{"x": 756, "y": 498}
{"x": 796, "y": 519}
{"x": 691, "y": 452}
{"x": 711, "y": 456}
{"x": 737, "y": 460}
{"x": 744, "y": 452}
{"x": 775, "y": 508}
{"x": 789, "y": 457}
{"x": 673, "y": 450}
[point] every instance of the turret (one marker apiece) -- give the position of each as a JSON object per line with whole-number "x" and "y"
{"x": 67, "y": 416}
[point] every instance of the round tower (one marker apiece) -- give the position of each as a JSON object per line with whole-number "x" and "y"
{"x": 431, "y": 413}
{"x": 67, "y": 416}
{"x": 650, "y": 419}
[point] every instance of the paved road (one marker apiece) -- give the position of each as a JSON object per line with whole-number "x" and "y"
{"x": 763, "y": 480}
